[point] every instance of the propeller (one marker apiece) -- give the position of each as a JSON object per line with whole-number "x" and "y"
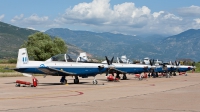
{"x": 109, "y": 62}
{"x": 120, "y": 60}
{"x": 177, "y": 63}
{"x": 152, "y": 67}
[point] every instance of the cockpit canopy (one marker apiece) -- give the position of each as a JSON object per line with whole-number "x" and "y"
{"x": 70, "y": 57}
{"x": 62, "y": 57}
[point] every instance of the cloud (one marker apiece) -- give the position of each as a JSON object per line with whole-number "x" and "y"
{"x": 31, "y": 28}
{"x": 126, "y": 18}
{"x": 1, "y": 17}
{"x": 99, "y": 12}
{"x": 32, "y": 20}
{"x": 17, "y": 18}
{"x": 192, "y": 11}
{"x": 197, "y": 20}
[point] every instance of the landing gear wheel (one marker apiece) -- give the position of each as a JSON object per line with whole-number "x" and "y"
{"x": 76, "y": 81}
{"x": 124, "y": 77}
{"x": 95, "y": 82}
{"x": 17, "y": 85}
{"x": 167, "y": 75}
{"x": 156, "y": 74}
{"x": 149, "y": 75}
{"x": 141, "y": 78}
{"x": 64, "y": 82}
{"x": 118, "y": 77}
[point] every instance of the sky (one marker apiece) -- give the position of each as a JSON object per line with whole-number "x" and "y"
{"x": 132, "y": 17}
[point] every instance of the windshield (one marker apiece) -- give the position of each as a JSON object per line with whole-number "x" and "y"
{"x": 59, "y": 57}
{"x": 64, "y": 57}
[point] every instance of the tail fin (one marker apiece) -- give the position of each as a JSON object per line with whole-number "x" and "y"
{"x": 22, "y": 57}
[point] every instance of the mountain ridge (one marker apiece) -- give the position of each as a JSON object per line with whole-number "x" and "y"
{"x": 135, "y": 47}
{"x": 183, "y": 45}
{"x": 12, "y": 37}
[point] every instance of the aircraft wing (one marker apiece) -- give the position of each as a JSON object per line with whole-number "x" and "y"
{"x": 53, "y": 71}
{"x": 114, "y": 69}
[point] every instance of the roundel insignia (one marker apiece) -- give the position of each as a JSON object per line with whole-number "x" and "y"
{"x": 42, "y": 65}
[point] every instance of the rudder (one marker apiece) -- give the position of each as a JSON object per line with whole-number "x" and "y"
{"x": 22, "y": 58}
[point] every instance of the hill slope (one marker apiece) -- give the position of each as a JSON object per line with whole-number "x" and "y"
{"x": 12, "y": 37}
{"x": 184, "y": 45}
{"x": 106, "y": 44}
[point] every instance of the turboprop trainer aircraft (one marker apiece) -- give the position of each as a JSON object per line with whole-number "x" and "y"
{"x": 124, "y": 67}
{"x": 184, "y": 68}
{"x": 58, "y": 66}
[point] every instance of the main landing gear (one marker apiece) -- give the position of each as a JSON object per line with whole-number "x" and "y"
{"x": 63, "y": 80}
{"x": 95, "y": 81}
{"x": 76, "y": 80}
{"x": 117, "y": 76}
{"x": 124, "y": 77}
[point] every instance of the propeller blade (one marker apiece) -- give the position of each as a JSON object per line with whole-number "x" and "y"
{"x": 112, "y": 60}
{"x": 106, "y": 73}
{"x": 108, "y": 62}
{"x": 150, "y": 61}
{"x": 153, "y": 62}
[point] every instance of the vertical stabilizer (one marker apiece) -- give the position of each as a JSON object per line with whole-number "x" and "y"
{"x": 22, "y": 58}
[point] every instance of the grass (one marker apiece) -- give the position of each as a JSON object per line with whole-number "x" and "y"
{"x": 11, "y": 74}
{"x": 3, "y": 66}
{"x": 197, "y": 67}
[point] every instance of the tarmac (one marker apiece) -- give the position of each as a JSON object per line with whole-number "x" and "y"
{"x": 175, "y": 94}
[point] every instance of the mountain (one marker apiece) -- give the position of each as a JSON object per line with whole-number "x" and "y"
{"x": 183, "y": 45}
{"x": 106, "y": 44}
{"x": 12, "y": 37}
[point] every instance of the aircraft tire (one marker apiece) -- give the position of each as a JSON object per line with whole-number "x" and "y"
{"x": 124, "y": 77}
{"x": 95, "y": 82}
{"x": 118, "y": 77}
{"x": 64, "y": 82}
{"x": 76, "y": 81}
{"x": 156, "y": 74}
{"x": 17, "y": 85}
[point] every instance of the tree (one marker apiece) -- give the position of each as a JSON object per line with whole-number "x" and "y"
{"x": 41, "y": 46}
